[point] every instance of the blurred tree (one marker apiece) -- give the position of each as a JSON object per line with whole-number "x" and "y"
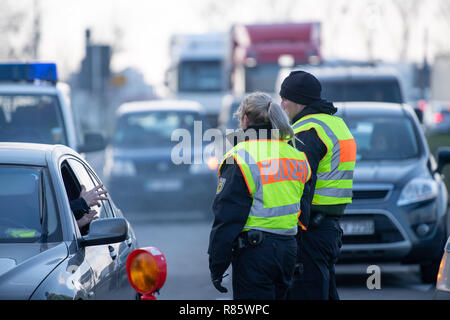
{"x": 443, "y": 12}
{"x": 284, "y": 11}
{"x": 118, "y": 31}
{"x": 364, "y": 17}
{"x": 225, "y": 13}
{"x": 11, "y": 23}
{"x": 217, "y": 13}
{"x": 20, "y": 39}
{"x": 31, "y": 47}
{"x": 409, "y": 12}
{"x": 335, "y": 13}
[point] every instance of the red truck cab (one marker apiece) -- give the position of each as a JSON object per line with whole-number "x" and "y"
{"x": 257, "y": 48}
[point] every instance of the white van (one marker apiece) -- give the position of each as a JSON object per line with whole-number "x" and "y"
{"x": 35, "y": 107}
{"x": 343, "y": 83}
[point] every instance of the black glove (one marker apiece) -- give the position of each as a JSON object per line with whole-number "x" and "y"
{"x": 316, "y": 219}
{"x": 218, "y": 284}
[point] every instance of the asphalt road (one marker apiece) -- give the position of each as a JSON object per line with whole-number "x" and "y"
{"x": 183, "y": 238}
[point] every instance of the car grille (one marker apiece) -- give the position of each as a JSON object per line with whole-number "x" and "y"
{"x": 159, "y": 168}
{"x": 369, "y": 194}
{"x": 385, "y": 230}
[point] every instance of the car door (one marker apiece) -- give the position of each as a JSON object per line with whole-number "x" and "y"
{"x": 125, "y": 248}
{"x": 122, "y": 249}
{"x": 101, "y": 258}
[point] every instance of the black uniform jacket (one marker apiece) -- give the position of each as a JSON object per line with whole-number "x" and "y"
{"x": 315, "y": 150}
{"x": 231, "y": 208}
{"x": 79, "y": 208}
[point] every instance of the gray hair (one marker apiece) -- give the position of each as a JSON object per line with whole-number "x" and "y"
{"x": 259, "y": 108}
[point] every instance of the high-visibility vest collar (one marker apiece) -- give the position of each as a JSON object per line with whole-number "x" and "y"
{"x": 275, "y": 174}
{"x": 335, "y": 172}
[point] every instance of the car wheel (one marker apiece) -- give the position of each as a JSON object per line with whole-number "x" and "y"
{"x": 429, "y": 271}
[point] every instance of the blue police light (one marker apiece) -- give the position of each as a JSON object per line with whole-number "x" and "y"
{"x": 28, "y": 72}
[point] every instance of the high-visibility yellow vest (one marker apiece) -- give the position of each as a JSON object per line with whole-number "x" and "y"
{"x": 335, "y": 172}
{"x": 275, "y": 174}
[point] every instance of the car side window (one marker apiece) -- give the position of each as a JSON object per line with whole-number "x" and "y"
{"x": 86, "y": 179}
{"x": 107, "y": 211}
{"x": 72, "y": 183}
{"x": 108, "y": 206}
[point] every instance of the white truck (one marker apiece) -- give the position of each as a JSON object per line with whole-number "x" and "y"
{"x": 199, "y": 69}
{"x": 437, "y": 110}
{"x": 35, "y": 107}
{"x": 439, "y": 82}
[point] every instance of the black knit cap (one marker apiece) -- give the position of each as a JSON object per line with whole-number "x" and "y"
{"x": 301, "y": 87}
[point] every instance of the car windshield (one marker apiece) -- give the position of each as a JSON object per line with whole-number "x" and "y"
{"x": 27, "y": 207}
{"x": 31, "y": 118}
{"x": 385, "y": 90}
{"x": 152, "y": 129}
{"x": 261, "y": 77}
{"x": 200, "y": 76}
{"x": 383, "y": 138}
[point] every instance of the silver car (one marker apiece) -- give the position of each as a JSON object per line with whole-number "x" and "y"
{"x": 43, "y": 254}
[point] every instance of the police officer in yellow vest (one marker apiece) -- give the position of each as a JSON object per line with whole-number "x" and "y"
{"x": 331, "y": 152}
{"x": 257, "y": 205}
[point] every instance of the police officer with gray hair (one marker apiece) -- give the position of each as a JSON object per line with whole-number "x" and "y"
{"x": 257, "y": 205}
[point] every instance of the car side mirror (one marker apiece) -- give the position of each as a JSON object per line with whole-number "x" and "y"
{"x": 93, "y": 141}
{"x": 105, "y": 231}
{"x": 419, "y": 114}
{"x": 443, "y": 158}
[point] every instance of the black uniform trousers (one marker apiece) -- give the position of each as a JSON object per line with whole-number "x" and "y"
{"x": 318, "y": 252}
{"x": 264, "y": 272}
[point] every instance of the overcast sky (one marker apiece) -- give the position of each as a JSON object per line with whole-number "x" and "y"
{"x": 141, "y": 28}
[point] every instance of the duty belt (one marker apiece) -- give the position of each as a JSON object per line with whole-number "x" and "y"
{"x": 253, "y": 238}
{"x": 317, "y": 217}
{"x": 250, "y": 238}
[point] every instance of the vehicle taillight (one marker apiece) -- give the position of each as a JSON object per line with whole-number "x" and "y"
{"x": 213, "y": 163}
{"x": 422, "y": 105}
{"x": 443, "y": 279}
{"x": 147, "y": 271}
{"x": 438, "y": 117}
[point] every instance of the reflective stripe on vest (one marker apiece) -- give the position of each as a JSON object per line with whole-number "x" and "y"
{"x": 275, "y": 174}
{"x": 335, "y": 172}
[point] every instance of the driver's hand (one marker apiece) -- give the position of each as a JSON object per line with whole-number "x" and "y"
{"x": 87, "y": 218}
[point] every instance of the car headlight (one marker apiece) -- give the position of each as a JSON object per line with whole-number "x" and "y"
{"x": 443, "y": 278}
{"x": 210, "y": 165}
{"x": 124, "y": 168}
{"x": 417, "y": 190}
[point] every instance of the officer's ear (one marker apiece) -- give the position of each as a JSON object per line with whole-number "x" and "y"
{"x": 245, "y": 122}
{"x": 300, "y": 107}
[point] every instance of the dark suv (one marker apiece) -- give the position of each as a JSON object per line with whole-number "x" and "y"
{"x": 399, "y": 209}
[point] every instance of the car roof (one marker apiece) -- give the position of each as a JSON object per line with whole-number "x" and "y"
{"x": 372, "y": 109}
{"x": 160, "y": 105}
{"x": 28, "y": 153}
{"x": 353, "y": 72}
{"x": 27, "y": 88}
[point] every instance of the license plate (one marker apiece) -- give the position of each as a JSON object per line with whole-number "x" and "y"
{"x": 358, "y": 227}
{"x": 164, "y": 185}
